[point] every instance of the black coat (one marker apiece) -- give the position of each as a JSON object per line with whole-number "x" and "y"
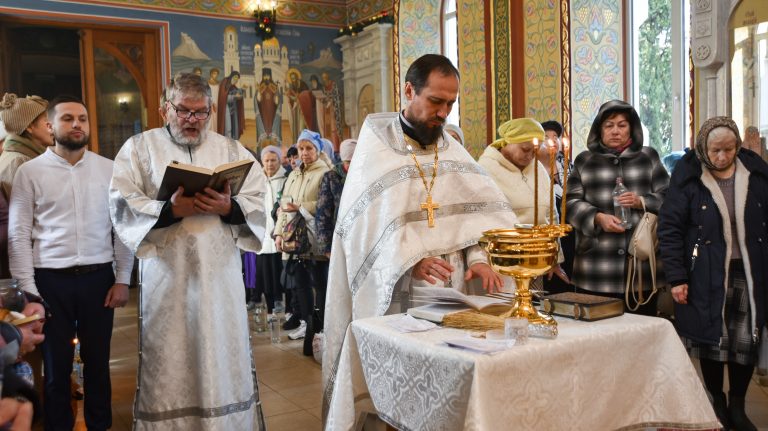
{"x": 690, "y": 216}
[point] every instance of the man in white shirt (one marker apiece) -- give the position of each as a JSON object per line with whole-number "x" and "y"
{"x": 62, "y": 247}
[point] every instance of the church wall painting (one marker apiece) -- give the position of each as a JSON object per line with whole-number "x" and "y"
{"x": 281, "y": 85}
{"x": 596, "y": 61}
{"x": 472, "y": 66}
{"x": 542, "y": 60}
{"x": 418, "y": 31}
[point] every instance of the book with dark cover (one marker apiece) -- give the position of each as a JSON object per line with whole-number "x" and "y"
{"x": 582, "y": 306}
{"x": 194, "y": 178}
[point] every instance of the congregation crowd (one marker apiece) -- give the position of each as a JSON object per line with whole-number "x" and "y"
{"x": 342, "y": 232}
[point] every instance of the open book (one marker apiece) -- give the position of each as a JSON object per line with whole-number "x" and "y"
{"x": 194, "y": 178}
{"x": 437, "y": 300}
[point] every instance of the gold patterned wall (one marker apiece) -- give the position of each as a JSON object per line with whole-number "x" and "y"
{"x": 472, "y": 66}
{"x": 542, "y": 60}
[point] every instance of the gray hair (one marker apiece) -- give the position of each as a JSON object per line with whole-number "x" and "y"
{"x": 188, "y": 85}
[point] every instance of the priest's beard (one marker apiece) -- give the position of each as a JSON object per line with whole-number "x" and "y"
{"x": 70, "y": 143}
{"x": 177, "y": 134}
{"x": 425, "y": 133}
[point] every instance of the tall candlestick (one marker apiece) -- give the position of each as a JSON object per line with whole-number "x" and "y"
{"x": 566, "y": 162}
{"x": 535, "y": 181}
{"x": 551, "y": 150}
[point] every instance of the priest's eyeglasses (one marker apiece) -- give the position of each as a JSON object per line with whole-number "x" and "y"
{"x": 186, "y": 114}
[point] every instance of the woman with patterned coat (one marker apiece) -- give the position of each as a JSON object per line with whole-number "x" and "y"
{"x": 615, "y": 145}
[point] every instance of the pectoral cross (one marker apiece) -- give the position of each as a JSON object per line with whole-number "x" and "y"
{"x": 430, "y": 208}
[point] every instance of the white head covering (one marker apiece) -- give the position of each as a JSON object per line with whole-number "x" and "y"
{"x": 347, "y": 149}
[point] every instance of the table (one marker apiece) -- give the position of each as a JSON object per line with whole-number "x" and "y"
{"x": 629, "y": 372}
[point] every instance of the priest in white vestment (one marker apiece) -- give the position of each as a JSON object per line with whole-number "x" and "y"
{"x": 401, "y": 223}
{"x": 195, "y": 365}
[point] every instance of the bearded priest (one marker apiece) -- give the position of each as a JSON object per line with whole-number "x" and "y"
{"x": 195, "y": 365}
{"x": 415, "y": 204}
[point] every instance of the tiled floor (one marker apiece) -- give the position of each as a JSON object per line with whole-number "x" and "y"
{"x": 290, "y": 382}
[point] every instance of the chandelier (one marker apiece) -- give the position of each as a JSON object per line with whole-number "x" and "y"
{"x": 265, "y": 13}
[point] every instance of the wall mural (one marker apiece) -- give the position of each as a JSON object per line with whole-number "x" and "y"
{"x": 418, "y": 28}
{"x": 474, "y": 83}
{"x": 265, "y": 92}
{"x": 596, "y": 61}
{"x": 542, "y": 60}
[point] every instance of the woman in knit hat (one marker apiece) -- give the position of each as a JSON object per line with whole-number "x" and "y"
{"x": 714, "y": 241}
{"x": 509, "y": 160}
{"x": 310, "y": 270}
{"x": 29, "y": 133}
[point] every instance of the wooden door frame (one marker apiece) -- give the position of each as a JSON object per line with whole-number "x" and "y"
{"x": 157, "y": 54}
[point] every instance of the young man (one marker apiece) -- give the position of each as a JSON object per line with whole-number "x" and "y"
{"x": 62, "y": 246}
{"x": 195, "y": 366}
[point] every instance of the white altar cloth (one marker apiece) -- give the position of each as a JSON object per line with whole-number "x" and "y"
{"x": 625, "y": 373}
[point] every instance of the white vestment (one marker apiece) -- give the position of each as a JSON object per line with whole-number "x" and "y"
{"x": 195, "y": 365}
{"x": 381, "y": 233}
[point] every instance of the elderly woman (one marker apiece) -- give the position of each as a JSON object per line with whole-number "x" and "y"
{"x": 309, "y": 271}
{"x": 330, "y": 196}
{"x": 615, "y": 145}
{"x": 509, "y": 161}
{"x": 269, "y": 264}
{"x": 455, "y": 132}
{"x": 714, "y": 243}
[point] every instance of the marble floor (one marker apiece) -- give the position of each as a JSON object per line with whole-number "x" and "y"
{"x": 290, "y": 382}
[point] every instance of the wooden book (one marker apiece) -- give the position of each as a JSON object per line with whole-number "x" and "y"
{"x": 194, "y": 178}
{"x": 582, "y": 306}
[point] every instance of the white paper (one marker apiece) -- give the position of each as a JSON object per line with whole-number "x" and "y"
{"x": 407, "y": 323}
{"x": 480, "y": 345}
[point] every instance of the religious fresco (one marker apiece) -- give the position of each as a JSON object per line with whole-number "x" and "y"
{"x": 474, "y": 83}
{"x": 418, "y": 33}
{"x": 501, "y": 64}
{"x": 266, "y": 92}
{"x": 596, "y": 61}
{"x": 358, "y": 10}
{"x": 542, "y": 60}
{"x": 331, "y": 13}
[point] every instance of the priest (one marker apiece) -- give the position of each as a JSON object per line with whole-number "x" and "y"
{"x": 195, "y": 366}
{"x": 414, "y": 205}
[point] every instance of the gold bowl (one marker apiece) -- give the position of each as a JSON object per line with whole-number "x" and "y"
{"x": 524, "y": 252}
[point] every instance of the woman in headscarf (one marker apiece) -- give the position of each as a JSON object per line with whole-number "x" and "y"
{"x": 269, "y": 263}
{"x": 615, "y": 145}
{"x": 714, "y": 242}
{"x": 510, "y": 162}
{"x": 307, "y": 271}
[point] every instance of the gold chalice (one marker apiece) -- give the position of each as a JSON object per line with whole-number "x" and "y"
{"x": 524, "y": 252}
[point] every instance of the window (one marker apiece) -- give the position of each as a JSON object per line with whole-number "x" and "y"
{"x": 451, "y": 46}
{"x": 659, "y": 77}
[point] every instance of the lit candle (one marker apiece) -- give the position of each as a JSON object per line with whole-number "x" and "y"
{"x": 566, "y": 162}
{"x": 552, "y": 150}
{"x": 535, "y": 181}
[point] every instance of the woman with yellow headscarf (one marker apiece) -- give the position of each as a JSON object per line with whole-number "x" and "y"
{"x": 509, "y": 161}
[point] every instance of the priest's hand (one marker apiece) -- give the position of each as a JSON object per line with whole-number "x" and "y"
{"x": 680, "y": 293}
{"x": 182, "y": 206}
{"x": 609, "y": 223}
{"x": 431, "y": 268}
{"x": 117, "y": 296}
{"x": 559, "y": 272}
{"x": 491, "y": 281}
{"x": 213, "y": 202}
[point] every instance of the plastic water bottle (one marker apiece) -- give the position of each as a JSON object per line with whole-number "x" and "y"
{"x": 260, "y": 317}
{"x": 276, "y": 321}
{"x": 621, "y": 212}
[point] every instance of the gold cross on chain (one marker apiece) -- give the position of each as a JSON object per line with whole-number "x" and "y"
{"x": 430, "y": 208}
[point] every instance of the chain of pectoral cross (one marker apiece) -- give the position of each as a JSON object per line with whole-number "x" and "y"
{"x": 427, "y": 206}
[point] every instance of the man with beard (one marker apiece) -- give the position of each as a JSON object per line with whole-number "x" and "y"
{"x": 195, "y": 367}
{"x": 414, "y": 205}
{"x": 62, "y": 247}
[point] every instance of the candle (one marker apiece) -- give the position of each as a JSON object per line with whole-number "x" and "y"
{"x": 552, "y": 150}
{"x": 535, "y": 181}
{"x": 566, "y": 162}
